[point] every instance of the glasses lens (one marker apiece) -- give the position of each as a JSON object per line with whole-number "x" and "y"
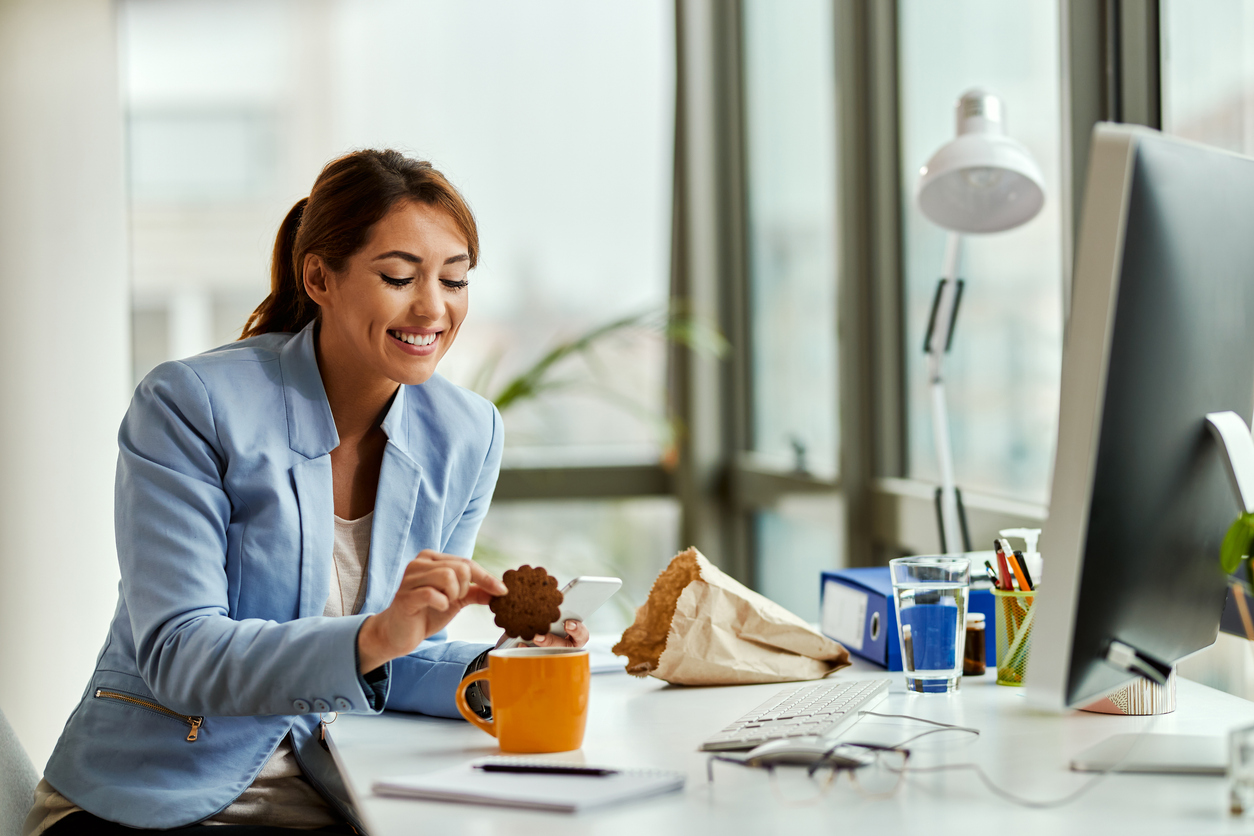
{"x": 883, "y": 775}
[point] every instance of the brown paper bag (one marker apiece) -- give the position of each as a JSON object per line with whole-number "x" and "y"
{"x": 700, "y": 627}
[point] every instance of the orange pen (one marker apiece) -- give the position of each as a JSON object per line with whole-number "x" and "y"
{"x": 1020, "y": 578}
{"x": 1014, "y": 566}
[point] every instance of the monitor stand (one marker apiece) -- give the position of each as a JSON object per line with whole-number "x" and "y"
{"x": 1175, "y": 754}
{"x": 1139, "y": 698}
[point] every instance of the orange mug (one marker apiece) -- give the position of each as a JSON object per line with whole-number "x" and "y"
{"x": 539, "y": 698}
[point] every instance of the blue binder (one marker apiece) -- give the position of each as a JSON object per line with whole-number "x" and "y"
{"x": 857, "y": 610}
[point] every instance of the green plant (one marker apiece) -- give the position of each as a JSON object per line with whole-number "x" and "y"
{"x": 1235, "y": 548}
{"x": 552, "y": 372}
{"x": 574, "y": 365}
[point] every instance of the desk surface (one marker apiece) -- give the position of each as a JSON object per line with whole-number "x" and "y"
{"x": 637, "y": 722}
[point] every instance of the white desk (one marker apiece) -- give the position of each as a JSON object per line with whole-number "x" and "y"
{"x": 647, "y": 723}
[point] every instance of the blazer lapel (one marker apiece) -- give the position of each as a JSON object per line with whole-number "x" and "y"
{"x": 312, "y": 480}
{"x": 394, "y": 503}
{"x": 311, "y": 434}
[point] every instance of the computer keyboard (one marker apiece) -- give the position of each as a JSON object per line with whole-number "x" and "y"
{"x": 822, "y": 709}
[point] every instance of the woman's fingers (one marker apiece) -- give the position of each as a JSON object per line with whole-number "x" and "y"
{"x": 577, "y": 632}
{"x": 449, "y": 576}
{"x": 453, "y": 575}
{"x": 432, "y": 591}
{"x": 576, "y": 636}
{"x": 486, "y": 580}
{"x": 431, "y": 598}
{"x": 477, "y": 595}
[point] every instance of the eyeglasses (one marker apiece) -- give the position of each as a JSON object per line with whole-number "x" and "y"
{"x": 879, "y": 775}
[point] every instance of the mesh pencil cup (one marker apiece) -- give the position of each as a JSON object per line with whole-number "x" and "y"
{"x": 1014, "y": 616}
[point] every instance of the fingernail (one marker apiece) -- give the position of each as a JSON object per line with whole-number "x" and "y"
{"x": 571, "y": 625}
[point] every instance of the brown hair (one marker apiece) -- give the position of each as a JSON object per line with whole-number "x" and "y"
{"x": 351, "y": 195}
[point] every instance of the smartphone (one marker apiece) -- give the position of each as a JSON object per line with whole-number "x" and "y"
{"x": 580, "y": 598}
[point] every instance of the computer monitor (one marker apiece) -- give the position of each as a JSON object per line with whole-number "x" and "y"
{"x": 1161, "y": 333}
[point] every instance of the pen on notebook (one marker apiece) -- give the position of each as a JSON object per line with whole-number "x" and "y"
{"x": 1023, "y": 564}
{"x": 546, "y": 769}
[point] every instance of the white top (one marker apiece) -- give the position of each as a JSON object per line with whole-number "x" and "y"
{"x": 280, "y": 796}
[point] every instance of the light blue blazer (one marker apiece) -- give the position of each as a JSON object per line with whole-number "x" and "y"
{"x": 224, "y": 526}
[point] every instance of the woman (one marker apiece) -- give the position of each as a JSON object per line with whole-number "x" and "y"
{"x": 271, "y": 495}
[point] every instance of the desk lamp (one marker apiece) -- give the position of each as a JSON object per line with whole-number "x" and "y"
{"x": 981, "y": 181}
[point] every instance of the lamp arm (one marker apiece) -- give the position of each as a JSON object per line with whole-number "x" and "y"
{"x": 939, "y": 336}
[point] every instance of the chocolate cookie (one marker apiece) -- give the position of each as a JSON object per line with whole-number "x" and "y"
{"x": 532, "y": 603}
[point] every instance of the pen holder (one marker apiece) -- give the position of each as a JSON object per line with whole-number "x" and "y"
{"x": 1013, "y": 624}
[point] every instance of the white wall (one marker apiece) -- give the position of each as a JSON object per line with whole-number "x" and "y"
{"x": 64, "y": 366}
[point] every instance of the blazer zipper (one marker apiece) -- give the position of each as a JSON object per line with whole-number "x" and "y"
{"x": 194, "y": 722}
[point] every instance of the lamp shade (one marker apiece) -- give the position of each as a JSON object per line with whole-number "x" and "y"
{"x": 982, "y": 181}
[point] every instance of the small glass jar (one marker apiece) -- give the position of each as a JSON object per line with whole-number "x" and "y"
{"x": 973, "y": 658}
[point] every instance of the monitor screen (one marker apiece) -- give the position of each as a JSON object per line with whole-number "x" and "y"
{"x": 1161, "y": 333}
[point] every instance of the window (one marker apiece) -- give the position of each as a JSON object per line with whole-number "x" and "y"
{"x": 1002, "y": 374}
{"x": 555, "y": 122}
{"x": 790, "y": 132}
{"x": 632, "y": 539}
{"x": 790, "y": 153}
{"x": 1208, "y": 72}
{"x": 555, "y": 119}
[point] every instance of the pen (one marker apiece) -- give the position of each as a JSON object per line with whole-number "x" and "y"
{"x": 542, "y": 769}
{"x": 1003, "y": 575}
{"x": 1008, "y": 552}
{"x": 992, "y": 574}
{"x": 1023, "y": 564}
{"x": 1014, "y": 560}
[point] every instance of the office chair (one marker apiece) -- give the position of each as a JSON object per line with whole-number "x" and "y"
{"x": 17, "y": 781}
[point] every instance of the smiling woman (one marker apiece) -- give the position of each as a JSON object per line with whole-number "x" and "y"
{"x": 351, "y": 195}
{"x": 293, "y": 516}
{"x": 399, "y": 301}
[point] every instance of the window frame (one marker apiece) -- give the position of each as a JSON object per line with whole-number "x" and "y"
{"x": 1110, "y": 64}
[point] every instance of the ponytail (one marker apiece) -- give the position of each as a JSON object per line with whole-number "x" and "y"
{"x": 288, "y": 307}
{"x": 350, "y": 196}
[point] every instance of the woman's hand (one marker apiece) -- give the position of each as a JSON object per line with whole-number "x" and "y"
{"x": 576, "y": 636}
{"x": 434, "y": 588}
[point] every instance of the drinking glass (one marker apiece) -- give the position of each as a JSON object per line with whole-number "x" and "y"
{"x": 1241, "y": 770}
{"x": 930, "y": 594}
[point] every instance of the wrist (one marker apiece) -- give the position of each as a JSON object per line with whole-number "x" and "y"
{"x": 371, "y": 652}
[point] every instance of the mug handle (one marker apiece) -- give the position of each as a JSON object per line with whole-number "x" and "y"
{"x": 464, "y": 707}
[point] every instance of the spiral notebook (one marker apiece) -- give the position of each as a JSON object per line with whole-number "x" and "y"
{"x": 536, "y": 791}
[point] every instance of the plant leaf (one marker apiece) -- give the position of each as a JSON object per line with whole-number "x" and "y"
{"x": 1237, "y": 542}
{"x": 678, "y": 327}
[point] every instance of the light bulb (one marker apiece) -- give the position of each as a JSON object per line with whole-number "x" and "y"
{"x": 982, "y": 177}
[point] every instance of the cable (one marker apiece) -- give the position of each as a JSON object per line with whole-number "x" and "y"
{"x": 917, "y": 720}
{"x": 943, "y": 726}
{"x": 905, "y": 770}
{"x": 1006, "y": 795}
{"x": 934, "y": 731}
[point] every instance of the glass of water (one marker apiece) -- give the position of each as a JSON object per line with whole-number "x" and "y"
{"x": 931, "y": 598}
